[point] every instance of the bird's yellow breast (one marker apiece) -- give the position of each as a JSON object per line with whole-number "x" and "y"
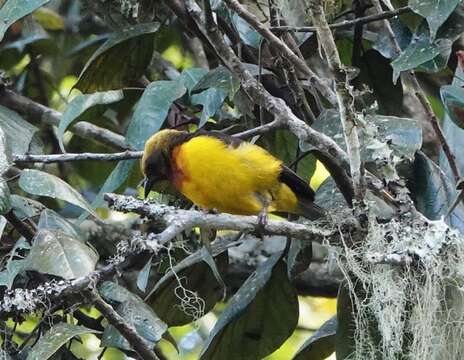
{"x": 236, "y": 180}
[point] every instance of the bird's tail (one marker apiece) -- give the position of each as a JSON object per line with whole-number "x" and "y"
{"x": 309, "y": 210}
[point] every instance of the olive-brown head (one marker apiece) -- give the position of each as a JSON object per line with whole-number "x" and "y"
{"x": 156, "y": 159}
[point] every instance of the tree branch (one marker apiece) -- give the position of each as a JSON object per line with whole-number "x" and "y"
{"x": 347, "y": 23}
{"x": 345, "y": 98}
{"x": 178, "y": 220}
{"x": 299, "y": 63}
{"x": 84, "y": 129}
{"x": 77, "y": 157}
{"x": 23, "y": 228}
{"x": 137, "y": 342}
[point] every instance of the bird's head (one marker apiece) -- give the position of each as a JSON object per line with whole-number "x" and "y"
{"x": 156, "y": 159}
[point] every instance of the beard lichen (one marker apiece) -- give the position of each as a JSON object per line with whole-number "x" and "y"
{"x": 406, "y": 286}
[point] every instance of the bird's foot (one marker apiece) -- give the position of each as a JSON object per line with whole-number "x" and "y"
{"x": 262, "y": 221}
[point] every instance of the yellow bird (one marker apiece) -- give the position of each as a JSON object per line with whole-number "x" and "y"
{"x": 221, "y": 172}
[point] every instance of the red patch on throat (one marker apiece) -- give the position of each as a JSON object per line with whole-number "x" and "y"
{"x": 177, "y": 175}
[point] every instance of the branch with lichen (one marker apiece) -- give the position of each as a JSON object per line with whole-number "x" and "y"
{"x": 345, "y": 98}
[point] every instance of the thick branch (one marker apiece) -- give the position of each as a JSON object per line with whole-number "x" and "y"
{"x": 137, "y": 342}
{"x": 78, "y": 157}
{"x": 344, "y": 96}
{"x": 23, "y": 228}
{"x": 299, "y": 63}
{"x": 347, "y": 23}
{"x": 179, "y": 220}
{"x": 84, "y": 129}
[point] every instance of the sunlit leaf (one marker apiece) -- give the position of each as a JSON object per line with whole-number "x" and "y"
{"x": 321, "y": 344}
{"x": 13, "y": 10}
{"x": 50, "y": 342}
{"x": 151, "y": 111}
{"x": 120, "y": 60}
{"x": 43, "y": 184}
{"x": 49, "y": 19}
{"x": 435, "y": 11}
{"x": 258, "y": 319}
{"x": 59, "y": 254}
{"x": 135, "y": 312}
{"x": 80, "y": 104}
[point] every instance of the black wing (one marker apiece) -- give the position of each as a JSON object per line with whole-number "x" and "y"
{"x": 300, "y": 187}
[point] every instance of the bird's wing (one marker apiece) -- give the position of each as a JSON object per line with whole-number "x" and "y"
{"x": 300, "y": 187}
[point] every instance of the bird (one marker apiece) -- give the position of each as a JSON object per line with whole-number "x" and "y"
{"x": 223, "y": 173}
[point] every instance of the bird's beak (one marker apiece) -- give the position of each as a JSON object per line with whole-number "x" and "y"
{"x": 147, "y": 185}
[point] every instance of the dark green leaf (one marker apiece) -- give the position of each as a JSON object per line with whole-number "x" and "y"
{"x": 43, "y": 184}
{"x": 434, "y": 193}
{"x": 329, "y": 195}
{"x": 191, "y": 76}
{"x": 142, "y": 277}
{"x": 258, "y": 319}
{"x": 13, "y": 10}
{"x": 80, "y": 104}
{"x": 53, "y": 339}
{"x": 453, "y": 100}
{"x": 13, "y": 268}
{"x": 420, "y": 51}
{"x": 121, "y": 60}
{"x": 151, "y": 111}
{"x": 117, "y": 178}
{"x": 19, "y": 133}
{"x": 197, "y": 278}
{"x": 344, "y": 336}
{"x": 58, "y": 254}
{"x": 453, "y": 133}
{"x": 219, "y": 78}
{"x": 299, "y": 257}
{"x": 211, "y": 101}
{"x": 135, "y": 312}
{"x": 321, "y": 344}
{"x": 5, "y": 201}
{"x": 435, "y": 11}
{"x": 5, "y": 153}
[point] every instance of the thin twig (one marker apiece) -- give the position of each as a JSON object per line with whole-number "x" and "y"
{"x": 299, "y": 63}
{"x": 126, "y": 155}
{"x": 138, "y": 343}
{"x": 347, "y": 23}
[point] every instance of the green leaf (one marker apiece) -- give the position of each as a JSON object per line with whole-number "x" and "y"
{"x": 211, "y": 101}
{"x": 80, "y": 104}
{"x": 434, "y": 193}
{"x": 50, "y": 220}
{"x": 344, "y": 337}
{"x": 299, "y": 257}
{"x": 5, "y": 201}
{"x": 329, "y": 195}
{"x": 151, "y": 111}
{"x": 53, "y": 339}
{"x": 25, "y": 208}
{"x": 13, "y": 10}
{"x": 142, "y": 277}
{"x": 258, "y": 319}
{"x": 247, "y": 33}
{"x": 121, "y": 60}
{"x": 191, "y": 76}
{"x": 43, "y": 184}
{"x": 321, "y": 344}
{"x": 420, "y": 51}
{"x": 59, "y": 254}
{"x": 219, "y": 78}
{"x": 435, "y": 11}
{"x": 136, "y": 313}
{"x": 13, "y": 268}
{"x": 5, "y": 153}
{"x": 197, "y": 278}
{"x": 453, "y": 133}
{"x": 453, "y": 100}
{"x": 19, "y": 134}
